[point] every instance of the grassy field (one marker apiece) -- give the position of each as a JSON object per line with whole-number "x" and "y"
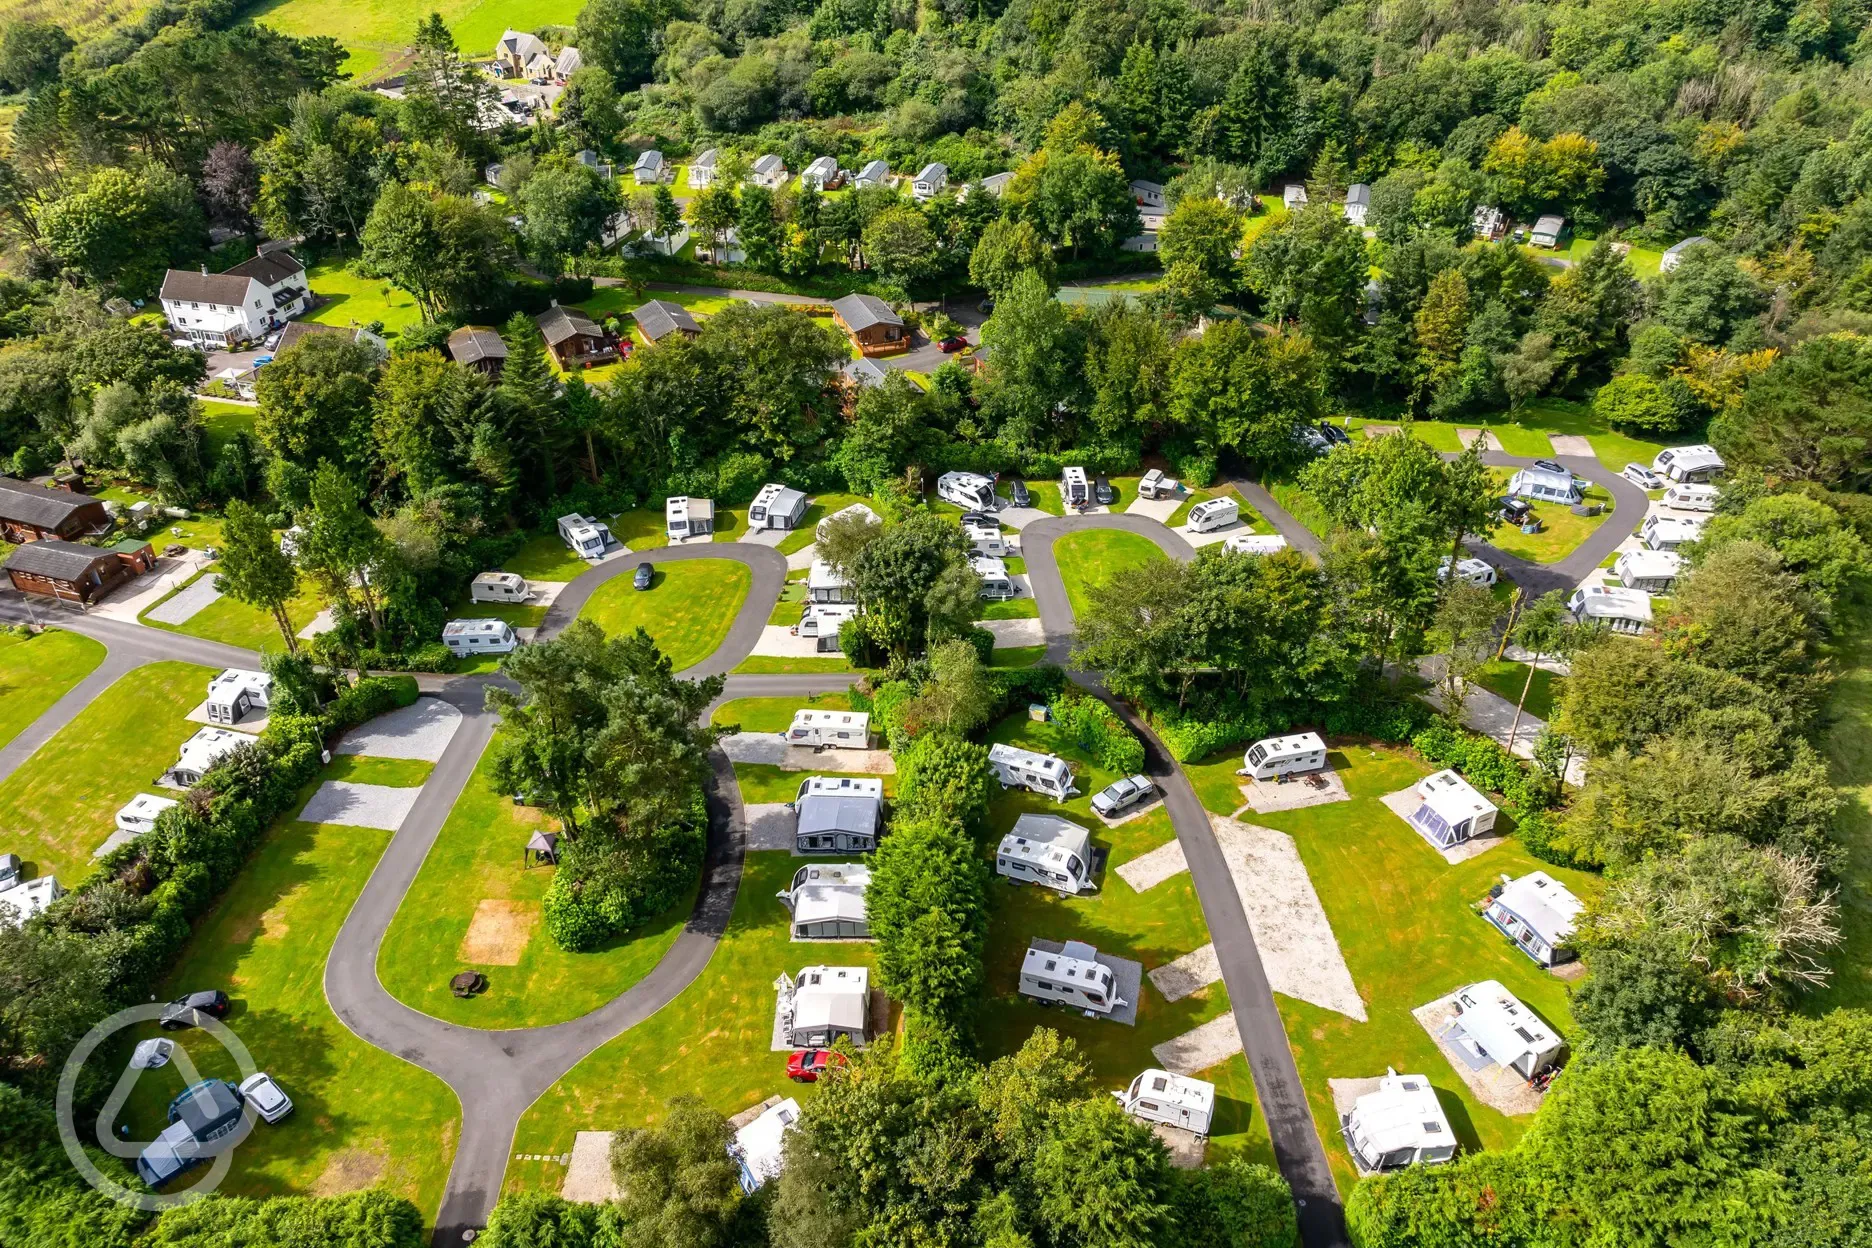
{"x": 1094, "y": 556}
{"x": 775, "y": 714}
{"x": 61, "y": 806}
{"x": 1301, "y": 505}
{"x": 1848, "y": 747}
{"x": 350, "y": 299}
{"x": 88, "y": 18}
{"x": 1506, "y": 678}
{"x": 764, "y": 782}
{"x": 687, "y": 610}
{"x": 642, "y": 529}
{"x": 474, "y": 877}
{"x": 1561, "y": 530}
{"x": 222, "y": 421}
{"x": 1527, "y": 430}
{"x": 37, "y": 671}
{"x": 546, "y": 557}
{"x": 1023, "y": 608}
{"x": 200, "y": 530}
{"x": 774, "y": 664}
{"x": 235, "y": 623}
{"x": 375, "y": 32}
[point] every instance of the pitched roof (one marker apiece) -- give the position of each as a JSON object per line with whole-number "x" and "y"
{"x": 34, "y": 504}
{"x": 188, "y": 286}
{"x": 932, "y": 171}
{"x": 768, "y": 164}
{"x": 1358, "y": 193}
{"x": 1684, "y": 244}
{"x": 659, "y": 318}
{"x": 876, "y": 170}
{"x": 269, "y": 270}
{"x": 559, "y": 324}
{"x": 864, "y": 372}
{"x": 863, "y": 311}
{"x": 651, "y": 159}
{"x": 706, "y": 160}
{"x": 297, "y": 330}
{"x": 61, "y": 561}
{"x": 570, "y": 61}
{"x": 519, "y": 43}
{"x": 1550, "y": 225}
{"x": 473, "y": 343}
{"x": 823, "y": 164}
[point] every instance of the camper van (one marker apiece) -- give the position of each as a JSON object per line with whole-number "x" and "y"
{"x": 1475, "y": 571}
{"x": 685, "y": 517}
{"x": 776, "y": 507}
{"x": 1671, "y": 532}
{"x": 1047, "y": 850}
{"x": 588, "y": 538}
{"x": 1016, "y": 768}
{"x": 830, "y": 730}
{"x": 1069, "y": 974}
{"x": 1174, "y": 1100}
{"x": 1493, "y": 1024}
{"x": 1273, "y": 757}
{"x": 1075, "y": 490}
{"x": 1254, "y": 543}
{"x": 968, "y": 490}
{"x": 1450, "y": 811}
{"x": 1216, "y": 513}
{"x": 1401, "y": 1124}
{"x": 508, "y": 587}
{"x": 824, "y": 619}
{"x": 996, "y": 582}
{"x": 234, "y": 693}
{"x": 1688, "y": 463}
{"x": 1688, "y": 496}
{"x": 1156, "y": 485}
{"x": 986, "y": 539}
{"x": 472, "y": 637}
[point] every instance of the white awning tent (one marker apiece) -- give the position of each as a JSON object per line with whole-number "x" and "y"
{"x": 1537, "y": 912}
{"x": 1400, "y": 1124}
{"x": 1505, "y": 1031}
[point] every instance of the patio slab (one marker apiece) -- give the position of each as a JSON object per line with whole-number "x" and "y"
{"x": 1571, "y": 444}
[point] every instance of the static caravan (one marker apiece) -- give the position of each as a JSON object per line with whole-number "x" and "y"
{"x": 829, "y": 730}
{"x": 22, "y": 901}
{"x": 825, "y": 584}
{"x": 1450, "y": 810}
{"x": 1043, "y": 773}
{"x": 1688, "y": 463}
{"x": 588, "y": 538}
{"x": 1075, "y": 489}
{"x": 968, "y": 490}
{"x": 776, "y": 507}
{"x": 1174, "y": 1100}
{"x": 234, "y": 693}
{"x": 1215, "y": 513}
{"x": 1401, "y": 1124}
{"x": 1690, "y": 496}
{"x": 685, "y": 517}
{"x": 1069, "y": 974}
{"x": 499, "y": 587}
{"x": 759, "y": 1148}
{"x": 1045, "y": 849}
{"x": 1254, "y": 543}
{"x": 996, "y": 582}
{"x": 139, "y": 814}
{"x": 824, "y": 619}
{"x": 1543, "y": 486}
{"x": 1671, "y": 532}
{"x": 986, "y": 539}
{"x": 929, "y": 181}
{"x": 874, "y": 173}
{"x": 1497, "y": 1026}
{"x": 1293, "y": 196}
{"x": 820, "y": 174}
{"x": 824, "y": 1003}
{"x": 856, "y": 509}
{"x": 201, "y": 752}
{"x": 1653, "y": 571}
{"x": 1294, "y": 755}
{"x": 1547, "y": 232}
{"x": 838, "y": 814}
{"x": 1474, "y": 571}
{"x": 827, "y": 901}
{"x": 1621, "y": 610}
{"x": 1538, "y": 913}
{"x": 472, "y": 637}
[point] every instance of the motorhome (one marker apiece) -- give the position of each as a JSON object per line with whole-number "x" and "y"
{"x": 828, "y": 730}
{"x": 1254, "y": 543}
{"x": 996, "y": 582}
{"x": 1273, "y": 757}
{"x": 1688, "y": 463}
{"x": 508, "y": 587}
{"x": 1069, "y": 974}
{"x": 1450, "y": 810}
{"x": 1654, "y": 571}
{"x": 1690, "y": 496}
{"x": 968, "y": 490}
{"x": 234, "y": 693}
{"x": 685, "y": 517}
{"x": 588, "y": 538}
{"x": 200, "y": 753}
{"x": 1174, "y": 1100}
{"x": 1538, "y": 913}
{"x": 776, "y": 507}
{"x": 1047, "y": 850}
{"x": 1494, "y": 1024}
{"x": 1213, "y": 514}
{"x": 838, "y": 814}
{"x": 827, "y": 901}
{"x": 466, "y": 638}
{"x": 1399, "y": 1124}
{"x": 1671, "y": 532}
{"x": 986, "y": 539}
{"x": 1075, "y": 489}
{"x": 1047, "y": 774}
{"x": 1621, "y": 610}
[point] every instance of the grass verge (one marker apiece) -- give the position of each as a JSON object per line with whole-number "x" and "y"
{"x": 36, "y": 671}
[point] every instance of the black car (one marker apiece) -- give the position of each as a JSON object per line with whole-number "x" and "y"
{"x": 976, "y": 517}
{"x": 644, "y": 574}
{"x": 1102, "y": 492}
{"x": 1311, "y": 440}
{"x": 186, "y": 1012}
{"x": 1017, "y": 492}
{"x": 1334, "y": 434}
{"x": 1516, "y": 510}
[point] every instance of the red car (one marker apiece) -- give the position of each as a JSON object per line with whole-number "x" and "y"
{"x": 952, "y": 344}
{"x": 806, "y": 1065}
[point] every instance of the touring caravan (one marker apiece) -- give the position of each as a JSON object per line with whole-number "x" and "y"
{"x": 1156, "y": 485}
{"x": 1671, "y": 532}
{"x": 1254, "y": 543}
{"x": 1075, "y": 490}
{"x": 685, "y": 517}
{"x": 1688, "y": 463}
{"x": 968, "y": 490}
{"x": 824, "y": 619}
{"x": 996, "y": 582}
{"x": 509, "y": 587}
{"x": 1494, "y": 1024}
{"x": 1691, "y": 496}
{"x": 234, "y": 693}
{"x": 1653, "y": 571}
{"x": 838, "y": 814}
{"x": 466, "y": 638}
{"x": 986, "y": 539}
{"x": 1216, "y": 513}
{"x": 1272, "y": 757}
{"x": 200, "y": 753}
{"x": 1047, "y": 850}
{"x": 828, "y": 730}
{"x": 1538, "y": 913}
{"x": 1069, "y": 974}
{"x": 1400, "y": 1124}
{"x": 1047, "y": 774}
{"x": 825, "y": 584}
{"x": 1174, "y": 1100}
{"x": 1450, "y": 811}
{"x": 856, "y": 509}
{"x": 1476, "y": 572}
{"x": 588, "y": 538}
{"x": 139, "y": 814}
{"x": 1621, "y": 610}
{"x": 824, "y": 1003}
{"x": 776, "y": 507}
{"x": 759, "y": 1148}
{"x": 827, "y": 901}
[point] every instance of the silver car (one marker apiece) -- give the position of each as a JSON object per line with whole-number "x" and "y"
{"x": 267, "y": 1097}
{"x": 1122, "y": 795}
{"x": 1643, "y": 477}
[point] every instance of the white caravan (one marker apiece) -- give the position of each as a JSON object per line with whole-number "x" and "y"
{"x": 827, "y": 901}
{"x": 588, "y": 538}
{"x": 1272, "y": 757}
{"x": 234, "y": 693}
{"x": 1254, "y": 543}
{"x": 1075, "y": 490}
{"x": 986, "y": 539}
{"x": 1155, "y": 485}
{"x": 996, "y": 582}
{"x": 968, "y": 490}
{"x": 1475, "y": 571}
{"x": 1690, "y": 496}
{"x": 1174, "y": 1100}
{"x": 1621, "y": 610}
{"x": 1496, "y": 1025}
{"x": 776, "y": 507}
{"x": 1216, "y": 513}
{"x": 685, "y": 517}
{"x": 1016, "y": 768}
{"x": 1688, "y": 463}
{"x": 139, "y": 814}
{"x": 509, "y": 587}
{"x": 1069, "y": 974}
{"x": 1671, "y": 532}
{"x": 1048, "y": 850}
{"x": 466, "y": 638}
{"x": 1538, "y": 913}
{"x": 824, "y": 619}
{"x": 830, "y": 730}
{"x": 1653, "y": 571}
{"x": 200, "y": 753}
{"x": 1401, "y": 1124}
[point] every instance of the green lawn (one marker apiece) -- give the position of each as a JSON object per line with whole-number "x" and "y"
{"x": 545, "y": 557}
{"x": 775, "y": 714}
{"x": 1093, "y": 556}
{"x": 59, "y": 807}
{"x": 222, "y": 421}
{"x": 1253, "y": 519}
{"x": 350, "y": 299}
{"x": 1561, "y": 530}
{"x": 375, "y": 32}
{"x": 1017, "y": 656}
{"x": 200, "y": 530}
{"x": 687, "y": 610}
{"x": 1506, "y": 679}
{"x": 1848, "y": 747}
{"x": 520, "y": 615}
{"x": 764, "y": 782}
{"x": 1614, "y": 449}
{"x": 233, "y": 622}
{"x": 1024, "y": 608}
{"x": 773, "y": 664}
{"x": 822, "y": 506}
{"x": 1302, "y": 506}
{"x": 475, "y": 869}
{"x": 37, "y": 671}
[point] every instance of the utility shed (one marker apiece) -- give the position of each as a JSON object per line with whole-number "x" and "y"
{"x": 1507, "y": 1032}
{"x": 1045, "y": 849}
{"x": 660, "y": 318}
{"x": 1537, "y": 912}
{"x": 1401, "y": 1124}
{"x": 827, "y": 901}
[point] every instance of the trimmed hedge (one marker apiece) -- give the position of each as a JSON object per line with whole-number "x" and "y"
{"x": 1190, "y": 739}
{"x": 1099, "y": 732}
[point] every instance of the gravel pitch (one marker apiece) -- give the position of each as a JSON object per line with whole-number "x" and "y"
{"x": 189, "y": 602}
{"x": 360, "y": 805}
{"x": 421, "y": 730}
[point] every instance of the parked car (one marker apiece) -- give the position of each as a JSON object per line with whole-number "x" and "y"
{"x": 979, "y": 517}
{"x": 1311, "y": 440}
{"x": 644, "y": 575}
{"x": 806, "y": 1065}
{"x": 267, "y": 1097}
{"x": 1643, "y": 477}
{"x": 952, "y": 344}
{"x": 1548, "y": 465}
{"x": 1334, "y": 434}
{"x": 1123, "y": 795}
{"x": 1018, "y": 493}
{"x": 1516, "y": 510}
{"x": 185, "y": 1012}
{"x": 1103, "y": 493}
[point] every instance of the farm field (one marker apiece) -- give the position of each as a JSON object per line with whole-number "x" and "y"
{"x": 376, "y": 32}
{"x": 37, "y": 671}
{"x": 687, "y": 610}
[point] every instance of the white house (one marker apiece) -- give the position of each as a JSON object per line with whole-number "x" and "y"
{"x": 1048, "y": 850}
{"x": 875, "y": 173}
{"x": 235, "y": 692}
{"x": 968, "y": 490}
{"x": 1292, "y": 755}
{"x": 929, "y": 181}
{"x": 508, "y": 587}
{"x": 1401, "y": 1124}
{"x": 1621, "y": 610}
{"x": 826, "y": 730}
{"x": 776, "y": 507}
{"x": 650, "y": 169}
{"x": 1544, "y": 486}
{"x": 1674, "y": 254}
{"x": 1293, "y": 196}
{"x": 200, "y": 753}
{"x": 1688, "y": 463}
{"x": 587, "y": 537}
{"x": 139, "y": 813}
{"x": 760, "y": 1147}
{"x": 1690, "y": 496}
{"x": 685, "y": 517}
{"x": 769, "y": 171}
{"x": 1357, "y": 204}
{"x": 1538, "y": 913}
{"x": 1653, "y": 571}
{"x": 824, "y": 1003}
{"x": 1254, "y": 543}
{"x": 1500, "y": 1028}
{"x": 996, "y": 582}
{"x": 1450, "y": 810}
{"x": 827, "y": 901}
{"x": 1547, "y": 231}
{"x": 1047, "y": 774}
{"x": 467, "y": 638}
{"x": 1070, "y": 974}
{"x": 855, "y": 509}
{"x": 1174, "y": 1100}
{"x": 825, "y": 584}
{"x": 242, "y": 305}
{"x": 823, "y": 172}
{"x": 838, "y": 814}
{"x": 1148, "y": 238}
{"x": 22, "y": 901}
{"x": 1670, "y": 532}
{"x": 702, "y": 168}
{"x": 1149, "y": 195}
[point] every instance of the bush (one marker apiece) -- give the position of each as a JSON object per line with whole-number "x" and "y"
{"x": 1020, "y": 686}
{"x": 1189, "y": 739}
{"x": 941, "y": 776}
{"x": 1098, "y": 731}
{"x": 887, "y": 708}
{"x": 1194, "y": 468}
{"x": 367, "y": 1219}
{"x": 1376, "y": 713}
{"x": 603, "y": 888}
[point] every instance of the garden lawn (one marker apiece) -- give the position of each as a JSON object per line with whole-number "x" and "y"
{"x": 234, "y": 623}
{"x": 1016, "y": 656}
{"x": 62, "y": 804}
{"x": 687, "y": 610}
{"x": 477, "y": 860}
{"x": 349, "y": 299}
{"x": 197, "y": 532}
{"x": 520, "y": 615}
{"x": 1848, "y": 747}
{"x": 1404, "y": 922}
{"x": 642, "y": 529}
{"x": 221, "y": 421}
{"x": 1024, "y": 608}
{"x": 1515, "y": 439}
{"x": 823, "y": 505}
{"x": 1561, "y": 530}
{"x": 1092, "y": 557}
{"x": 775, "y": 714}
{"x": 377, "y": 32}
{"x": 37, "y": 671}
{"x": 711, "y": 1042}
{"x": 546, "y": 557}
{"x": 794, "y": 665}
{"x": 1506, "y": 678}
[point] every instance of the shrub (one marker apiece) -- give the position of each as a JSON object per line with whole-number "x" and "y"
{"x": 369, "y": 1219}
{"x": 1099, "y": 731}
{"x": 1020, "y": 686}
{"x": 1189, "y": 738}
{"x": 603, "y": 888}
{"x": 941, "y": 776}
{"x": 1376, "y": 713}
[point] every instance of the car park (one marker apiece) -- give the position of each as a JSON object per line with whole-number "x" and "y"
{"x": 806, "y": 1065}
{"x": 1643, "y": 477}
{"x": 644, "y": 575}
{"x": 1103, "y": 493}
{"x": 1018, "y": 494}
{"x": 186, "y": 1012}
{"x": 267, "y": 1097}
{"x": 1122, "y": 795}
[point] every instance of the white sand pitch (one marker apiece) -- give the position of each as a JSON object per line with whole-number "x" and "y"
{"x": 588, "y": 1179}
{"x": 1016, "y": 632}
{"x": 780, "y": 641}
{"x": 802, "y": 558}
{"x": 1193, "y": 971}
{"x": 1195, "y": 1051}
{"x": 1469, "y": 437}
{"x": 1405, "y": 801}
{"x": 421, "y": 730}
{"x": 771, "y": 748}
{"x": 360, "y": 805}
{"x": 1213, "y": 536}
{"x": 189, "y": 602}
{"x": 1571, "y": 444}
{"x": 1148, "y": 870}
{"x": 1265, "y": 797}
{"x": 1291, "y": 930}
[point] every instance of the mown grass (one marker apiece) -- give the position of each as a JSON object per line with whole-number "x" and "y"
{"x": 822, "y": 506}
{"x": 545, "y": 557}
{"x": 1017, "y": 656}
{"x": 1561, "y": 530}
{"x": 349, "y": 299}
{"x": 37, "y": 671}
{"x": 234, "y": 623}
{"x": 221, "y": 421}
{"x": 687, "y": 610}
{"x": 778, "y": 665}
{"x": 1506, "y": 679}
{"x": 1092, "y": 557}
{"x": 775, "y": 714}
